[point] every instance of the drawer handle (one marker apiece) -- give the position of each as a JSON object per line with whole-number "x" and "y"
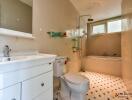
{"x": 42, "y": 84}
{"x": 13, "y": 99}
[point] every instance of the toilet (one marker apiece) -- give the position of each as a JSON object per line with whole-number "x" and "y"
{"x": 73, "y": 86}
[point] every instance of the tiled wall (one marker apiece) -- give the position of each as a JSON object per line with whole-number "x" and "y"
{"x": 127, "y": 43}
{"x": 109, "y": 44}
{"x": 55, "y": 15}
{"x": 105, "y": 65}
{"x": 17, "y": 44}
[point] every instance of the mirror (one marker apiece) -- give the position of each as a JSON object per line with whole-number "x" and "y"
{"x": 16, "y": 15}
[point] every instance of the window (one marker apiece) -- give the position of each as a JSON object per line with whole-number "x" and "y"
{"x": 99, "y": 29}
{"x": 107, "y": 26}
{"x": 114, "y": 26}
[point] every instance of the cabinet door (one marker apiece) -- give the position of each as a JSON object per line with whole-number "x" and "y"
{"x": 11, "y": 93}
{"x": 48, "y": 95}
{"x": 34, "y": 87}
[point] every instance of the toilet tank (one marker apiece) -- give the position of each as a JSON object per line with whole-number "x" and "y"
{"x": 58, "y": 67}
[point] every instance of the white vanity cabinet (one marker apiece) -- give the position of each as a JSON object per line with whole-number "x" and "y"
{"x": 27, "y": 79}
{"x": 11, "y": 93}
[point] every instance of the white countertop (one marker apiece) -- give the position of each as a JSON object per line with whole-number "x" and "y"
{"x": 20, "y": 62}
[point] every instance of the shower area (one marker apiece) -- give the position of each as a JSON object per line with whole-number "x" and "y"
{"x": 106, "y": 59}
{"x": 98, "y": 50}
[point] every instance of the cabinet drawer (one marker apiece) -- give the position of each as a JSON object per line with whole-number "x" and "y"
{"x": 34, "y": 87}
{"x": 23, "y": 74}
{"x": 48, "y": 95}
{"x": 11, "y": 93}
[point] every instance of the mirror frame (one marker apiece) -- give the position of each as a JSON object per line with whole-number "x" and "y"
{"x": 13, "y": 33}
{"x": 19, "y": 34}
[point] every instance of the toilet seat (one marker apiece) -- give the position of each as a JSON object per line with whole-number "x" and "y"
{"x": 77, "y": 82}
{"x": 76, "y": 79}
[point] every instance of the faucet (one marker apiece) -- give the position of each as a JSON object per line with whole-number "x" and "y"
{"x": 6, "y": 51}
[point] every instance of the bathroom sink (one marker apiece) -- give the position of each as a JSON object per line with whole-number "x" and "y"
{"x": 7, "y": 59}
{"x": 24, "y": 58}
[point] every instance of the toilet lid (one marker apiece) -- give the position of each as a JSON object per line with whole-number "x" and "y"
{"x": 75, "y": 78}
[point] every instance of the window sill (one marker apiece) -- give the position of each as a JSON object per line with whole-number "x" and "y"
{"x": 101, "y": 34}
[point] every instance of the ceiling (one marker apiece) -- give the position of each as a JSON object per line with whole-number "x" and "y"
{"x": 28, "y": 2}
{"x": 98, "y": 9}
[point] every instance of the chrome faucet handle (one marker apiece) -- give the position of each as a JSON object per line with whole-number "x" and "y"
{"x": 9, "y": 49}
{"x": 6, "y": 51}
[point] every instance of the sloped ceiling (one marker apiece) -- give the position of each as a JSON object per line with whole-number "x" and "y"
{"x": 28, "y": 2}
{"x": 98, "y": 9}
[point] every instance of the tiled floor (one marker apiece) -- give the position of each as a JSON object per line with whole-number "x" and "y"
{"x": 105, "y": 87}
